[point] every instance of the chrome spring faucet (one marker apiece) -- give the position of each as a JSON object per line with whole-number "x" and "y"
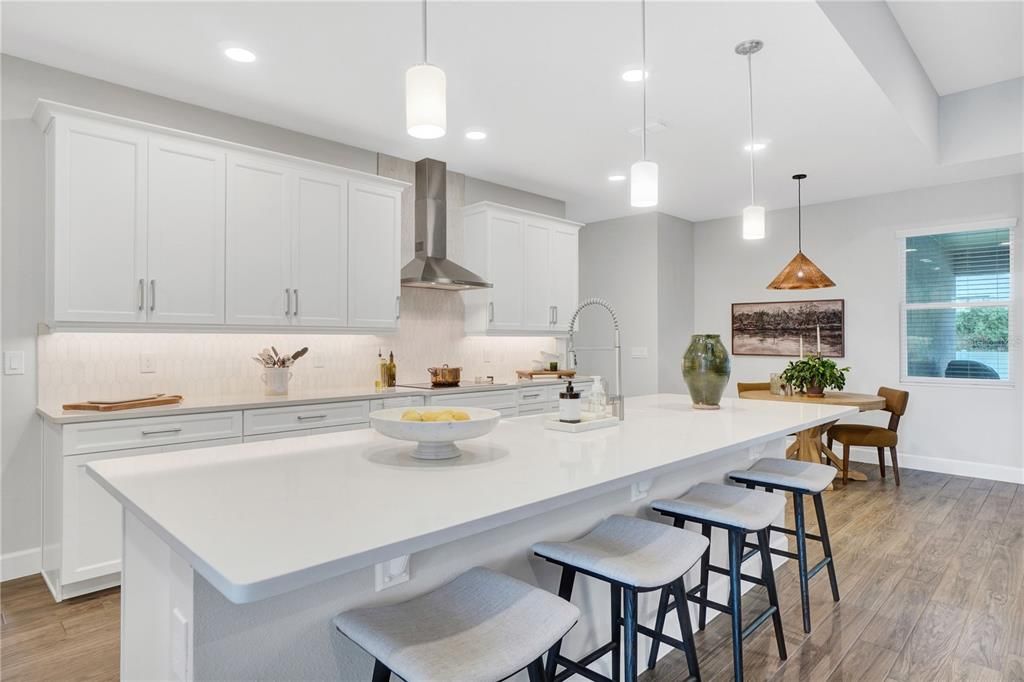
{"x": 618, "y": 400}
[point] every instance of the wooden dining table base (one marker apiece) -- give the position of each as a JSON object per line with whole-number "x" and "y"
{"x": 810, "y": 448}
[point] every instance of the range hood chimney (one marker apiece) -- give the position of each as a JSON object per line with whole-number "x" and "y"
{"x": 430, "y": 267}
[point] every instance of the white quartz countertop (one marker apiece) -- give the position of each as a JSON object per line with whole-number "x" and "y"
{"x": 223, "y": 403}
{"x": 260, "y": 519}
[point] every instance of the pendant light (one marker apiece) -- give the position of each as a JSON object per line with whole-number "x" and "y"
{"x": 643, "y": 175}
{"x": 753, "y": 215}
{"x": 425, "y": 85}
{"x": 801, "y": 272}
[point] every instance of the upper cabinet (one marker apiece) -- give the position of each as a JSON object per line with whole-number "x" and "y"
{"x": 533, "y": 262}
{"x": 163, "y": 228}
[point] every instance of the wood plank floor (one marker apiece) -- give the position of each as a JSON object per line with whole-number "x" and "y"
{"x": 931, "y": 577}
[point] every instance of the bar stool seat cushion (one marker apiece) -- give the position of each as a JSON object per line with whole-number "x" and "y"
{"x": 728, "y": 505}
{"x": 481, "y": 626}
{"x": 787, "y": 473}
{"x": 630, "y": 551}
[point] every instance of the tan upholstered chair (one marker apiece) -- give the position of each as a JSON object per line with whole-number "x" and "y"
{"x": 874, "y": 436}
{"x": 752, "y": 386}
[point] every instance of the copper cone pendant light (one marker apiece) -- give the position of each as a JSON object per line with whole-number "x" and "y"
{"x": 801, "y": 272}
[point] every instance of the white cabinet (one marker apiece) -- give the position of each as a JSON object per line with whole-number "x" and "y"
{"x": 533, "y": 262}
{"x": 185, "y": 235}
{"x": 320, "y": 250}
{"x": 96, "y": 215}
{"x": 374, "y": 214}
{"x": 302, "y": 432}
{"x": 504, "y": 402}
{"x": 299, "y": 417}
{"x": 397, "y": 401}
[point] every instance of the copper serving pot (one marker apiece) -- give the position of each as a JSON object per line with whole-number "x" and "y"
{"x": 444, "y": 375}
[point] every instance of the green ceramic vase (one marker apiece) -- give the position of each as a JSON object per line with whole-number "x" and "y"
{"x": 706, "y": 369}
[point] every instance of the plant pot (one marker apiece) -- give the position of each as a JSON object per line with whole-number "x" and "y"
{"x": 816, "y": 391}
{"x": 706, "y": 369}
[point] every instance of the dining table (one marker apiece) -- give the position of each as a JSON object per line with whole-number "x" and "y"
{"x": 808, "y": 445}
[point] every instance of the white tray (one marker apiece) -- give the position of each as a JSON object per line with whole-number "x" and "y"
{"x": 589, "y": 423}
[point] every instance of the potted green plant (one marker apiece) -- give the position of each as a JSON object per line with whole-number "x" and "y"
{"x": 813, "y": 374}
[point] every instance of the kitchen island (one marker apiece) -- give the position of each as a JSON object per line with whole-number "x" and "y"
{"x": 236, "y": 558}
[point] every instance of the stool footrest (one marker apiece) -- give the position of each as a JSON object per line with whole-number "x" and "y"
{"x": 818, "y": 566}
{"x": 765, "y": 615}
{"x": 777, "y": 552}
{"x": 580, "y": 667}
{"x": 790, "y": 531}
{"x": 757, "y": 580}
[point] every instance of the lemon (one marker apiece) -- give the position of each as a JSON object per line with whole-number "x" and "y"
{"x": 411, "y": 416}
{"x": 460, "y": 415}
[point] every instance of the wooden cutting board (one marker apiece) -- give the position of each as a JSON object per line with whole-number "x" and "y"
{"x": 558, "y": 373}
{"x": 101, "y": 406}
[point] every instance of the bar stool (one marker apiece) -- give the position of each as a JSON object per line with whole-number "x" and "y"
{"x": 738, "y": 511}
{"x": 800, "y": 478}
{"x": 483, "y": 626}
{"x": 632, "y": 555}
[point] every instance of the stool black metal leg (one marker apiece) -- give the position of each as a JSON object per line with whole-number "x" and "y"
{"x": 565, "y": 592}
{"x": 768, "y": 575}
{"x": 536, "y": 671}
{"x": 705, "y": 561}
{"x": 659, "y": 626}
{"x": 735, "y": 598}
{"x": 381, "y": 673}
{"x": 826, "y": 545}
{"x": 685, "y": 628}
{"x": 616, "y": 631}
{"x": 630, "y": 634}
{"x": 801, "y": 558}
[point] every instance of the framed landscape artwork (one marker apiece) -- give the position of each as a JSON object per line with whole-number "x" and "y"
{"x": 776, "y": 328}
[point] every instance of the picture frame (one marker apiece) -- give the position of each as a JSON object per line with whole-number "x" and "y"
{"x": 774, "y": 328}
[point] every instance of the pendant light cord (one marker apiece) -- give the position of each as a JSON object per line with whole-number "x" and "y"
{"x": 643, "y": 77}
{"x": 425, "y": 32}
{"x": 799, "y": 217}
{"x": 750, "y": 98}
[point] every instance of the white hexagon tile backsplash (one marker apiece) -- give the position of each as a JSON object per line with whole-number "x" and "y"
{"x": 83, "y": 366}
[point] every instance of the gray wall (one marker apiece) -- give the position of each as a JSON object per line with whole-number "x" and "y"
{"x": 24, "y": 82}
{"x": 675, "y": 299}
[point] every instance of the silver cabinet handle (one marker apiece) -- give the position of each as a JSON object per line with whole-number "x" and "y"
{"x": 490, "y": 311}
{"x": 551, "y": 314}
{"x": 296, "y": 292}
{"x": 556, "y": 313}
{"x": 158, "y": 432}
{"x": 142, "y": 295}
{"x": 398, "y": 307}
{"x": 531, "y": 395}
{"x": 287, "y": 302}
{"x": 152, "y": 295}
{"x": 304, "y": 417}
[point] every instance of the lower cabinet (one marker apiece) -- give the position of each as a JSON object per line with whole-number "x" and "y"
{"x": 303, "y": 432}
{"x": 505, "y": 402}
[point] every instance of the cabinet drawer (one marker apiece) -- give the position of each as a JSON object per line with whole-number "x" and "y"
{"x": 535, "y": 395}
{"x": 495, "y": 400}
{"x": 274, "y": 419}
{"x": 398, "y": 401}
{"x": 123, "y": 434}
{"x": 278, "y": 435}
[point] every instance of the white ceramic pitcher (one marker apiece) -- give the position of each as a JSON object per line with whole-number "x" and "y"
{"x": 276, "y": 380}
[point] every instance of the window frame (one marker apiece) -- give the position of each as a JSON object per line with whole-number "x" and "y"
{"x": 1010, "y": 303}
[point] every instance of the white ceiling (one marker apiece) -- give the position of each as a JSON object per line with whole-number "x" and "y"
{"x": 964, "y": 45}
{"x": 543, "y": 78}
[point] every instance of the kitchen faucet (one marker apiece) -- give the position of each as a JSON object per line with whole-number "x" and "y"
{"x": 618, "y": 400}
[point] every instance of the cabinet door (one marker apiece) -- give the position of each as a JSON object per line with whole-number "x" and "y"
{"x": 186, "y": 232}
{"x": 564, "y": 275}
{"x": 258, "y": 242}
{"x": 99, "y": 222}
{"x": 538, "y": 313}
{"x": 374, "y": 228}
{"x": 506, "y": 272}
{"x": 320, "y": 250}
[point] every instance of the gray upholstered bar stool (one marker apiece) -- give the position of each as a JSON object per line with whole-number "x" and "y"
{"x": 481, "y": 627}
{"x": 739, "y": 511}
{"x": 632, "y": 555}
{"x": 800, "y": 478}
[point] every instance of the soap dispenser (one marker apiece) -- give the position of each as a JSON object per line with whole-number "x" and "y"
{"x": 569, "y": 405}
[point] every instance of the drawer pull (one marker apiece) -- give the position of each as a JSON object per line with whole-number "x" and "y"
{"x": 160, "y": 432}
{"x": 531, "y": 395}
{"x": 304, "y": 417}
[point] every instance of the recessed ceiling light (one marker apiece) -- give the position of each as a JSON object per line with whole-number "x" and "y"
{"x": 476, "y": 135}
{"x": 239, "y": 54}
{"x": 616, "y": 178}
{"x": 758, "y": 146}
{"x": 634, "y": 75}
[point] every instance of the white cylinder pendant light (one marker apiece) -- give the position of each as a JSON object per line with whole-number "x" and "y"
{"x": 643, "y": 184}
{"x": 425, "y": 115}
{"x": 753, "y": 215}
{"x": 425, "y": 96}
{"x": 643, "y": 175}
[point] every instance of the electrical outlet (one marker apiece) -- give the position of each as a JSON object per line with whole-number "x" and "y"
{"x": 14, "y": 362}
{"x": 640, "y": 490}
{"x": 392, "y": 572}
{"x": 639, "y": 352}
{"x": 147, "y": 363}
{"x": 319, "y": 361}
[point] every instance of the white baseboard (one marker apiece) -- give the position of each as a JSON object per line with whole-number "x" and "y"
{"x": 957, "y": 467}
{"x": 19, "y": 564}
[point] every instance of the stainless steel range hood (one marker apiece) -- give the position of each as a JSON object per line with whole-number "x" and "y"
{"x": 430, "y": 267}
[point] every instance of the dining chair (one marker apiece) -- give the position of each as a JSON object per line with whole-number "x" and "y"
{"x": 877, "y": 437}
{"x": 742, "y": 387}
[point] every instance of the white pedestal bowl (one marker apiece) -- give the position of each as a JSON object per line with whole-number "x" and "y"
{"x": 435, "y": 440}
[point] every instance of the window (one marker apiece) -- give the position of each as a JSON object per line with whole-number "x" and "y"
{"x": 957, "y": 304}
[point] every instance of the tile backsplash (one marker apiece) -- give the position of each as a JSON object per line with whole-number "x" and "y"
{"x": 83, "y": 366}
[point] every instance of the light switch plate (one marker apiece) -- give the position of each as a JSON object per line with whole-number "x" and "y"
{"x": 640, "y": 490}
{"x": 147, "y": 363}
{"x": 14, "y": 362}
{"x": 639, "y": 352}
{"x": 392, "y": 572}
{"x": 319, "y": 361}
